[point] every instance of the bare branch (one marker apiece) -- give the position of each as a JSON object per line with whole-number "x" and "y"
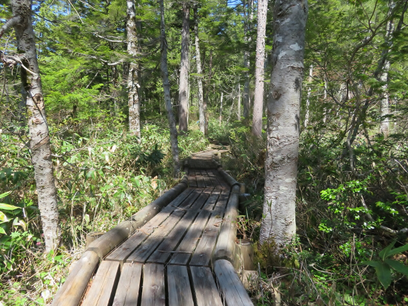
{"x": 9, "y": 23}
{"x": 109, "y": 40}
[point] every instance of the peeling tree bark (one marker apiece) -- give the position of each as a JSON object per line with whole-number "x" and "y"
{"x": 37, "y": 123}
{"x": 166, "y": 88}
{"x": 184, "y": 69}
{"x": 259, "y": 69}
{"x": 133, "y": 97}
{"x": 279, "y": 222}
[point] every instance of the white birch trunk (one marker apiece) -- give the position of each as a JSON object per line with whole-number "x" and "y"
{"x": 166, "y": 88}
{"x": 184, "y": 69}
{"x": 37, "y": 123}
{"x": 248, "y": 38}
{"x": 259, "y": 69}
{"x": 132, "y": 82}
{"x": 279, "y": 222}
{"x": 201, "y": 107}
{"x": 309, "y": 91}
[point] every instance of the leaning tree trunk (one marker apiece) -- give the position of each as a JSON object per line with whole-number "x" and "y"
{"x": 166, "y": 88}
{"x": 184, "y": 69}
{"x": 201, "y": 104}
{"x": 279, "y": 221}
{"x": 259, "y": 69}
{"x": 37, "y": 123}
{"x": 133, "y": 97}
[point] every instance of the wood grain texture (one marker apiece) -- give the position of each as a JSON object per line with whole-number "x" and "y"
{"x": 231, "y": 287}
{"x": 190, "y": 240}
{"x": 167, "y": 246}
{"x": 104, "y": 285}
{"x": 204, "y": 287}
{"x": 179, "y": 288}
{"x": 153, "y": 292}
{"x": 127, "y": 293}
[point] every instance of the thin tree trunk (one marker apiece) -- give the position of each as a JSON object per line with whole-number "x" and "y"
{"x": 239, "y": 103}
{"x": 222, "y": 97}
{"x": 37, "y": 123}
{"x": 132, "y": 82}
{"x": 166, "y": 88}
{"x": 309, "y": 90}
{"x": 184, "y": 69}
{"x": 248, "y": 38}
{"x": 201, "y": 107}
{"x": 279, "y": 222}
{"x": 259, "y": 69}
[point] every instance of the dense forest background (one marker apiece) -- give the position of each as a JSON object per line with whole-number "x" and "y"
{"x": 352, "y": 194}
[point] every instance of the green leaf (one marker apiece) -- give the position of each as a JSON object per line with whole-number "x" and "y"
{"x": 2, "y": 231}
{"x": 397, "y": 266}
{"x": 372, "y": 263}
{"x": 8, "y": 206}
{"x": 384, "y": 253}
{"x": 384, "y": 274}
{"x": 3, "y": 195}
{"x": 398, "y": 250}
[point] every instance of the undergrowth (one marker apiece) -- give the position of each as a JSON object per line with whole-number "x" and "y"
{"x": 103, "y": 176}
{"x": 346, "y": 218}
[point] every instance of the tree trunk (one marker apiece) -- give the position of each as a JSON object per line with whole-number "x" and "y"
{"x": 37, "y": 123}
{"x": 239, "y": 103}
{"x": 166, "y": 88}
{"x": 309, "y": 91}
{"x": 259, "y": 69}
{"x": 247, "y": 101}
{"x": 201, "y": 106}
{"x": 184, "y": 69}
{"x": 279, "y": 221}
{"x": 132, "y": 82}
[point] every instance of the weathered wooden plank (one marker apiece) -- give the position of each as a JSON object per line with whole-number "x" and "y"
{"x": 225, "y": 248}
{"x": 190, "y": 240}
{"x": 192, "y": 181}
{"x": 203, "y": 252}
{"x": 179, "y": 289}
{"x": 204, "y": 287}
{"x": 200, "y": 179}
{"x": 153, "y": 292}
{"x": 164, "y": 251}
{"x": 104, "y": 285}
{"x": 126, "y": 248}
{"x": 127, "y": 293}
{"x": 110, "y": 240}
{"x": 142, "y": 253}
{"x": 231, "y": 287}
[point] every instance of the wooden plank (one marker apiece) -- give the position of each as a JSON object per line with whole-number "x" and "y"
{"x": 192, "y": 181}
{"x": 153, "y": 292}
{"x": 200, "y": 179}
{"x": 203, "y": 252}
{"x": 142, "y": 253}
{"x": 204, "y": 287}
{"x": 179, "y": 289}
{"x": 103, "y": 285}
{"x": 190, "y": 240}
{"x": 164, "y": 251}
{"x": 126, "y": 248}
{"x": 127, "y": 293}
{"x": 231, "y": 286}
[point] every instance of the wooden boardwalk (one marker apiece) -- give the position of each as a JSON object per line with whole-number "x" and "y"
{"x": 170, "y": 259}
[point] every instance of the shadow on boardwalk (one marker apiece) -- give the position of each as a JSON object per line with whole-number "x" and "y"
{"x": 172, "y": 256}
